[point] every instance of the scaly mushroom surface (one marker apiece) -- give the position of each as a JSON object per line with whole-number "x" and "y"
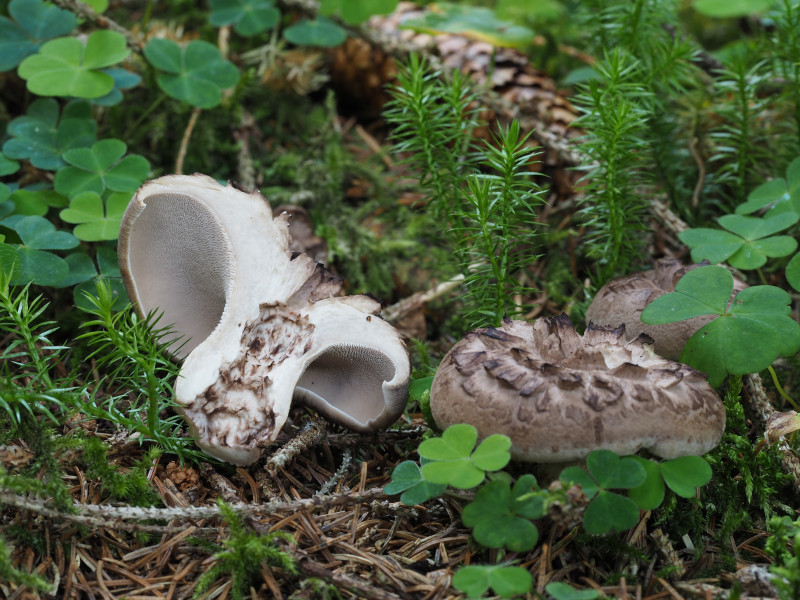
{"x": 261, "y": 325}
{"x": 559, "y": 395}
{"x": 621, "y": 302}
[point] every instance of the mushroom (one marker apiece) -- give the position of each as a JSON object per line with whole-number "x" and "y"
{"x": 621, "y": 302}
{"x": 559, "y": 395}
{"x": 260, "y": 324}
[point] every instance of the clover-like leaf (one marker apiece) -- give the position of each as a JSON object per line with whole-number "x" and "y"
{"x": 453, "y": 461}
{"x": 357, "y": 12}
{"x": 97, "y": 219}
{"x": 564, "y": 591}
{"x": 475, "y": 22}
{"x": 38, "y": 235}
{"x": 793, "y": 272}
{"x": 249, "y": 16}
{"x": 610, "y": 512}
{"x": 748, "y": 336}
{"x": 747, "y": 243}
{"x": 496, "y": 515}
{"x": 41, "y": 137}
{"x": 685, "y": 474}
{"x": 578, "y": 476}
{"x": 31, "y": 201}
{"x": 99, "y": 167}
{"x": 779, "y": 194}
{"x": 650, "y": 493}
{"x": 7, "y": 166}
{"x": 32, "y": 22}
{"x": 419, "y": 386}
{"x": 196, "y": 73}
{"x": 68, "y": 67}
{"x": 107, "y": 274}
{"x": 123, "y": 80}
{"x": 318, "y": 32}
{"x": 614, "y": 472}
{"x": 506, "y": 581}
{"x": 407, "y": 480}
{"x": 81, "y": 268}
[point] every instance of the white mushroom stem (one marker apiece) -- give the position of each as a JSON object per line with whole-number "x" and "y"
{"x": 262, "y": 324}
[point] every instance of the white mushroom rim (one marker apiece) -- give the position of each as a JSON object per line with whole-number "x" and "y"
{"x": 261, "y": 325}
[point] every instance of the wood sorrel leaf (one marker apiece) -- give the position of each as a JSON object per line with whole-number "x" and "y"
{"x": 685, "y": 474}
{"x": 612, "y": 472}
{"x": 702, "y": 291}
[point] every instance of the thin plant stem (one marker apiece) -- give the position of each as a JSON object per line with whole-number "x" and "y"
{"x": 780, "y": 389}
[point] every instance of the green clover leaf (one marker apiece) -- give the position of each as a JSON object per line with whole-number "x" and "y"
{"x": 319, "y": 32}
{"x": 475, "y": 22}
{"x": 107, "y": 273}
{"x": 42, "y": 138}
{"x": 749, "y": 335}
{"x": 195, "y": 73}
{"x": 354, "y": 13}
{"x": 37, "y": 235}
{"x": 7, "y": 166}
{"x": 408, "y": 480}
{"x": 123, "y": 80}
{"x": 779, "y": 194}
{"x": 33, "y": 23}
{"x": 564, "y": 591}
{"x": 67, "y": 67}
{"x": 249, "y": 16}
{"x": 500, "y": 516}
{"x": 685, "y": 474}
{"x": 506, "y": 581}
{"x": 29, "y": 201}
{"x": 650, "y": 493}
{"x": 748, "y": 244}
{"x": 97, "y": 219}
{"x": 99, "y": 167}
{"x": 793, "y": 272}
{"x": 453, "y": 461}
{"x": 607, "y": 511}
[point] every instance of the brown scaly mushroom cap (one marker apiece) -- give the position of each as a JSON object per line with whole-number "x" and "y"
{"x": 559, "y": 395}
{"x": 262, "y": 324}
{"x": 621, "y": 302}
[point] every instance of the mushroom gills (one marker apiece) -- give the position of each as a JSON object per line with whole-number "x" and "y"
{"x": 180, "y": 259}
{"x": 345, "y": 384}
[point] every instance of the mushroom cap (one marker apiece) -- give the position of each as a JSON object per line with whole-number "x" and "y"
{"x": 261, "y": 325}
{"x": 559, "y": 395}
{"x": 621, "y": 302}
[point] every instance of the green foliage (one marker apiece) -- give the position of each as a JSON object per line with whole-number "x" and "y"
{"x": 615, "y": 116}
{"x": 476, "y": 22}
{"x": 106, "y": 274}
{"x": 750, "y": 333}
{"x": 249, "y": 17}
{"x": 778, "y": 194}
{"x": 41, "y": 137}
{"x": 500, "y": 516}
{"x": 357, "y": 12}
{"x": 32, "y": 22}
{"x": 317, "y": 32}
{"x": 131, "y": 353}
{"x": 8, "y": 573}
{"x": 130, "y": 486}
{"x": 783, "y": 546}
{"x": 682, "y": 475}
{"x": 242, "y": 554}
{"x": 99, "y": 168}
{"x": 731, "y": 8}
{"x": 195, "y": 73}
{"x": 456, "y": 462}
{"x": 407, "y": 480}
{"x": 607, "y": 510}
{"x": 793, "y": 272}
{"x": 30, "y": 261}
{"x": 68, "y": 67}
{"x": 747, "y": 243}
{"x": 97, "y": 219}
{"x": 504, "y": 580}
{"x": 563, "y": 591}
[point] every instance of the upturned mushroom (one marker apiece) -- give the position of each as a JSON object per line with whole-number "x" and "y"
{"x": 260, "y": 324}
{"x": 559, "y": 395}
{"x": 621, "y": 302}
